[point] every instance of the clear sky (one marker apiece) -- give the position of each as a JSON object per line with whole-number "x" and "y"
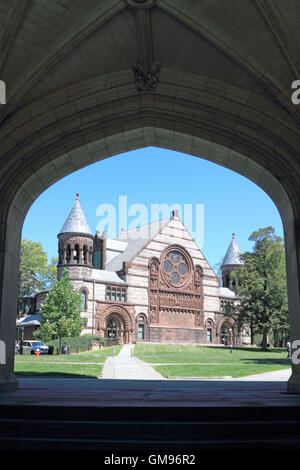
{"x": 227, "y": 202}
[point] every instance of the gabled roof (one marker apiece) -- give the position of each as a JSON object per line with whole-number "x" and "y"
{"x": 136, "y": 239}
{"x": 233, "y": 254}
{"x": 76, "y": 221}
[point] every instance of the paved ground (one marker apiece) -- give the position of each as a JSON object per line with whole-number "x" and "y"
{"x": 116, "y": 392}
{"x": 137, "y": 384}
{"x": 125, "y": 366}
{"x": 277, "y": 375}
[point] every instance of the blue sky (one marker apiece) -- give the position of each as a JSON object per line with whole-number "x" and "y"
{"x": 230, "y": 202}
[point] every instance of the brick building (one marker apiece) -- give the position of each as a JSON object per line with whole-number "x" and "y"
{"x": 150, "y": 284}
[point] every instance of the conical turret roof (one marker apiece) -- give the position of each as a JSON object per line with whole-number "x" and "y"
{"x": 233, "y": 254}
{"x": 76, "y": 221}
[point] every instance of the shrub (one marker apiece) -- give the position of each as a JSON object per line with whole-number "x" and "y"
{"x": 77, "y": 343}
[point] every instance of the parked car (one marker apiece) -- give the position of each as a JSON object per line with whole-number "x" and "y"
{"x": 29, "y": 347}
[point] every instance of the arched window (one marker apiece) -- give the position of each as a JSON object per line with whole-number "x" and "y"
{"x": 83, "y": 300}
{"x": 68, "y": 257}
{"x": 209, "y": 330}
{"x": 85, "y": 253}
{"x": 141, "y": 320}
{"x": 76, "y": 254}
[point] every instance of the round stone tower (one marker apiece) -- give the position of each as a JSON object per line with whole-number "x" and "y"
{"x": 75, "y": 244}
{"x": 231, "y": 260}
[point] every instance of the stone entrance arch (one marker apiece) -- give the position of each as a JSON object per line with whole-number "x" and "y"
{"x": 59, "y": 117}
{"x": 162, "y": 138}
{"x": 114, "y": 322}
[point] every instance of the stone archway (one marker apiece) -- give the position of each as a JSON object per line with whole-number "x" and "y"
{"x": 59, "y": 117}
{"x": 114, "y": 322}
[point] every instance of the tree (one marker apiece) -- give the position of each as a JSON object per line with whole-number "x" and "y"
{"x": 261, "y": 284}
{"x": 51, "y": 274}
{"x": 35, "y": 273}
{"x": 60, "y": 313}
{"x": 217, "y": 268}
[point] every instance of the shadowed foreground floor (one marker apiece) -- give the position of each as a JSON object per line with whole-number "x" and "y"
{"x": 246, "y": 391}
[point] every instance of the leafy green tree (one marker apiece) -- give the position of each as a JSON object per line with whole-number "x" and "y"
{"x": 217, "y": 268}
{"x": 51, "y": 274}
{"x": 60, "y": 313}
{"x": 261, "y": 285}
{"x": 35, "y": 273}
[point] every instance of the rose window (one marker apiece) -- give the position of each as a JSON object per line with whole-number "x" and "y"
{"x": 175, "y": 268}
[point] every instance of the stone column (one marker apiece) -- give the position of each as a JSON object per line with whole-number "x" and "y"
{"x": 10, "y": 239}
{"x": 292, "y": 243}
{"x": 80, "y": 255}
{"x": 72, "y": 248}
{"x": 64, "y": 261}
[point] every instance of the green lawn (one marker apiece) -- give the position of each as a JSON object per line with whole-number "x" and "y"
{"x": 199, "y": 361}
{"x": 86, "y": 364}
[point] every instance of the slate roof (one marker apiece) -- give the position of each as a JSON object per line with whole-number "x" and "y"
{"x": 107, "y": 276}
{"x": 136, "y": 239}
{"x": 227, "y": 293}
{"x": 76, "y": 221}
{"x": 233, "y": 254}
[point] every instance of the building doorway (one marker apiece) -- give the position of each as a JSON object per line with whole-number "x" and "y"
{"x": 113, "y": 329}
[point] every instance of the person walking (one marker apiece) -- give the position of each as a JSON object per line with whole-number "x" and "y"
{"x": 288, "y": 348}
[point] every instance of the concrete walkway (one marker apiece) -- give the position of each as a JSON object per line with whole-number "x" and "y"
{"x": 282, "y": 375}
{"x": 125, "y": 366}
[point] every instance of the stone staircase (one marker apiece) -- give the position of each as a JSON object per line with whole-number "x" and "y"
{"x": 149, "y": 428}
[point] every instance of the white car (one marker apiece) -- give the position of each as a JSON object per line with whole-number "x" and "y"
{"x": 29, "y": 347}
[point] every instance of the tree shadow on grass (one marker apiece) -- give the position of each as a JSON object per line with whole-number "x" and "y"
{"x": 252, "y": 349}
{"x": 53, "y": 375}
{"x": 269, "y": 361}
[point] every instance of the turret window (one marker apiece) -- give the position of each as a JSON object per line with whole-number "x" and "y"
{"x": 76, "y": 254}
{"x": 85, "y": 250}
{"x": 68, "y": 257}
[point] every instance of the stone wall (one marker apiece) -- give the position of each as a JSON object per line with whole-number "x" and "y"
{"x": 176, "y": 335}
